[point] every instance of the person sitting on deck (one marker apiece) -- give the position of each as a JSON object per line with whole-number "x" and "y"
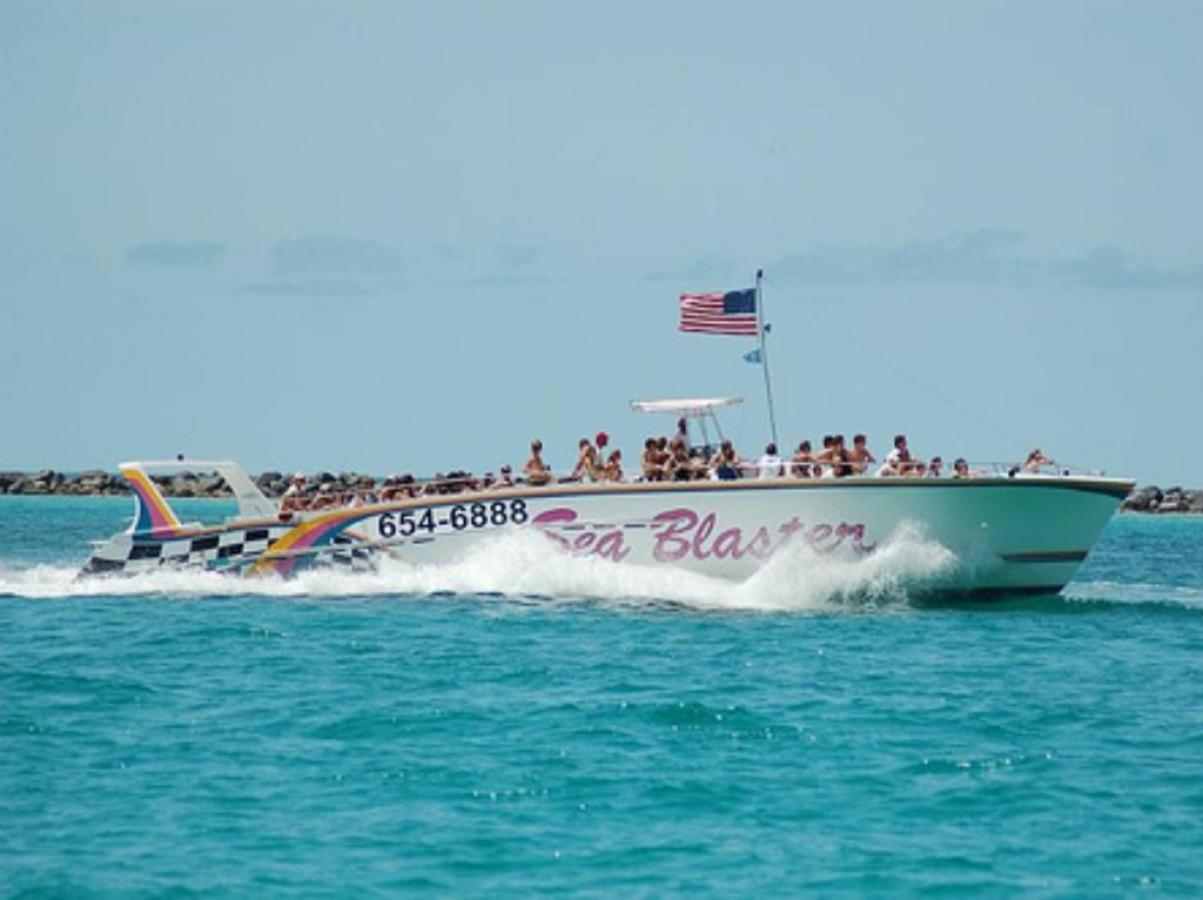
{"x": 900, "y": 460}
{"x": 293, "y": 499}
{"x": 649, "y": 464}
{"x": 1037, "y": 461}
{"x": 935, "y": 468}
{"x": 860, "y": 456}
{"x": 770, "y": 465}
{"x": 840, "y": 463}
{"x": 612, "y": 471}
{"x": 505, "y": 479}
{"x": 586, "y": 463}
{"x": 679, "y": 466}
{"x": 828, "y": 452}
{"x": 801, "y": 461}
{"x": 365, "y": 494}
{"x": 960, "y": 469}
{"x": 389, "y": 489}
{"x": 535, "y": 470}
{"x": 726, "y": 463}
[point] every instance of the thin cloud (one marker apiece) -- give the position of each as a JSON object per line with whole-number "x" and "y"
{"x": 985, "y": 256}
{"x": 307, "y": 288}
{"x": 517, "y": 256}
{"x": 176, "y": 254}
{"x": 329, "y": 255}
{"x": 703, "y": 269}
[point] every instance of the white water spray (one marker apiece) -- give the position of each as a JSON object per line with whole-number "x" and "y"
{"x": 521, "y": 564}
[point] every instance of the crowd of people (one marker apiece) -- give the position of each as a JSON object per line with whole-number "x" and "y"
{"x": 663, "y": 459}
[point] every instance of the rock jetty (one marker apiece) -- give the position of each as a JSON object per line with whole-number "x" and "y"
{"x": 1153, "y": 499}
{"x": 96, "y": 483}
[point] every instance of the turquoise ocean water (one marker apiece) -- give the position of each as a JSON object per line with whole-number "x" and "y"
{"x": 595, "y": 732}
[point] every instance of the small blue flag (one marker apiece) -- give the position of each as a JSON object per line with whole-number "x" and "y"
{"x": 753, "y": 356}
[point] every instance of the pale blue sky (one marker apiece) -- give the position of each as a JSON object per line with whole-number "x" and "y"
{"x": 393, "y": 236}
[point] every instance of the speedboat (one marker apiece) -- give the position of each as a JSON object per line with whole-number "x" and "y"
{"x": 1010, "y": 532}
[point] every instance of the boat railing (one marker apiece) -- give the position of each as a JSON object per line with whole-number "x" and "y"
{"x": 334, "y": 495}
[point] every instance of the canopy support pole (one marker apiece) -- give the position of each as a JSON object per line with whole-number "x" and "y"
{"x": 764, "y": 355}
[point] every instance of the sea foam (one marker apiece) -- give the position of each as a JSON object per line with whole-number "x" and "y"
{"x": 523, "y": 565}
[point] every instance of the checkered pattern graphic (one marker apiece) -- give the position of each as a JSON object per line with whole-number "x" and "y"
{"x": 220, "y": 550}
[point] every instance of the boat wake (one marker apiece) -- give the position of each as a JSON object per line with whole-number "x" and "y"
{"x": 519, "y": 565}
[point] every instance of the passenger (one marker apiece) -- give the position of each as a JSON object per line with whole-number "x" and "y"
{"x": 601, "y": 441}
{"x": 389, "y": 489}
{"x": 841, "y": 465}
{"x": 726, "y": 464}
{"x": 662, "y": 450}
{"x": 613, "y": 467}
{"x": 487, "y": 482}
{"x": 409, "y": 486}
{"x": 918, "y": 470}
{"x": 817, "y": 471}
{"x": 679, "y": 466}
{"x": 769, "y": 465}
{"x": 366, "y": 494}
{"x": 860, "y": 456}
{"x": 435, "y": 486}
{"x": 586, "y": 463}
{"x": 293, "y": 499}
{"x": 505, "y": 479}
{"x": 326, "y": 498}
{"x": 1037, "y": 461}
{"x": 801, "y": 461}
{"x": 827, "y": 453}
{"x": 934, "y": 469}
{"x": 960, "y": 469}
{"x": 682, "y": 434}
{"x": 900, "y": 459}
{"x": 650, "y": 465}
{"x": 535, "y": 470}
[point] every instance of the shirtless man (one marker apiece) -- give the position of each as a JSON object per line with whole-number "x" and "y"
{"x": 535, "y": 470}
{"x": 840, "y": 458}
{"x": 827, "y": 454}
{"x": 653, "y": 469}
{"x": 860, "y": 455}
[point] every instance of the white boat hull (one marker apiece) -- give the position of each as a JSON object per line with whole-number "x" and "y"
{"x": 1007, "y": 534}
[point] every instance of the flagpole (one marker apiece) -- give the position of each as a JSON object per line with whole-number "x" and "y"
{"x": 764, "y": 355}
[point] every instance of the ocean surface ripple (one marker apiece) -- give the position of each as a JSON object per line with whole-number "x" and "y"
{"x": 513, "y": 727}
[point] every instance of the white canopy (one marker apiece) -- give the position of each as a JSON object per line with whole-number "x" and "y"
{"x": 251, "y": 502}
{"x": 690, "y": 408}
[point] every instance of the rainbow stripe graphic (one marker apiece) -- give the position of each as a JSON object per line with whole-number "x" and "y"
{"x": 152, "y": 515}
{"x": 288, "y": 552}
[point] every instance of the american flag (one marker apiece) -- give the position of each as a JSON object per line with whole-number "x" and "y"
{"x": 731, "y": 313}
